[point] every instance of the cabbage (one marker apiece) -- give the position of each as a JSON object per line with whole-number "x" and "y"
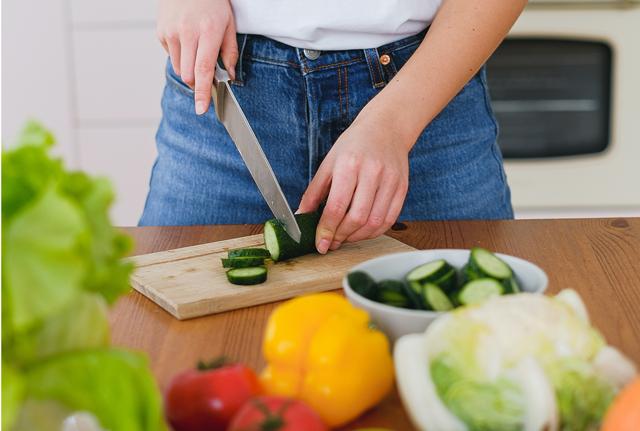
{"x": 516, "y": 362}
{"x": 61, "y": 265}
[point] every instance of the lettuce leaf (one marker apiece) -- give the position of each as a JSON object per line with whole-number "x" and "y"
{"x": 483, "y": 405}
{"x": 13, "y": 392}
{"x": 114, "y": 385}
{"x": 42, "y": 262}
{"x": 81, "y": 324}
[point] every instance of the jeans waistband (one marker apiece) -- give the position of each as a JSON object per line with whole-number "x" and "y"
{"x": 263, "y": 49}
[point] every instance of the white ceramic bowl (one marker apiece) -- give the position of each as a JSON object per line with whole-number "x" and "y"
{"x": 395, "y": 321}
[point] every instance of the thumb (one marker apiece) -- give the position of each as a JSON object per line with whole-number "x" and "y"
{"x": 316, "y": 192}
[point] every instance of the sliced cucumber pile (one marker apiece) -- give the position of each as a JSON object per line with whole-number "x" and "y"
{"x": 438, "y": 286}
{"x": 248, "y": 264}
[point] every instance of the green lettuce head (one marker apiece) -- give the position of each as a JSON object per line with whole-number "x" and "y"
{"x": 518, "y": 362}
{"x": 61, "y": 267}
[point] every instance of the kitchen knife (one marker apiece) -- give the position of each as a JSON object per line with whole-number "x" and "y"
{"x": 231, "y": 116}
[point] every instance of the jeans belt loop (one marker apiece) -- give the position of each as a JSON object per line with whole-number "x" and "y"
{"x": 239, "y": 69}
{"x": 375, "y": 68}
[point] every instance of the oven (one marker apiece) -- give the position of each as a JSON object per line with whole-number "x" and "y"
{"x": 565, "y": 89}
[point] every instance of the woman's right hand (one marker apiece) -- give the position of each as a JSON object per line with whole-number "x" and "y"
{"x": 194, "y": 33}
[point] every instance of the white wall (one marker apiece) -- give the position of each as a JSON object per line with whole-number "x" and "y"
{"x": 92, "y": 71}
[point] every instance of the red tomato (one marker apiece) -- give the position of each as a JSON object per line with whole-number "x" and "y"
{"x": 276, "y": 414}
{"x": 207, "y": 399}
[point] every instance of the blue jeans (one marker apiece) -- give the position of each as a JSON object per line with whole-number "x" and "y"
{"x": 298, "y": 106}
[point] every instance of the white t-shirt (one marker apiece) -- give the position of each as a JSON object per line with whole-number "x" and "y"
{"x": 334, "y": 24}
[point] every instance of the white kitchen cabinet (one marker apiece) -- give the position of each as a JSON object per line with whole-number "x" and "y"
{"x": 125, "y": 155}
{"x": 119, "y": 76}
{"x": 93, "y": 72}
{"x": 85, "y": 13}
{"x": 36, "y": 71}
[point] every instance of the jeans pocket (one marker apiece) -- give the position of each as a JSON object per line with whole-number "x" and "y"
{"x": 174, "y": 80}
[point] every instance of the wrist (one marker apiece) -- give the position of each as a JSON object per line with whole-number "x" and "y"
{"x": 389, "y": 118}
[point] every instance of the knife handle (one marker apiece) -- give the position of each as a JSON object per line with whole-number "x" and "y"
{"x": 219, "y": 89}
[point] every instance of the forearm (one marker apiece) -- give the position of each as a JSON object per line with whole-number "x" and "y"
{"x": 461, "y": 38}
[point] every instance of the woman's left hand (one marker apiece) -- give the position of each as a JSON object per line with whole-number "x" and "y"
{"x": 365, "y": 176}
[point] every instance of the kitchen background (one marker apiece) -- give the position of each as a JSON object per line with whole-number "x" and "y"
{"x": 566, "y": 90}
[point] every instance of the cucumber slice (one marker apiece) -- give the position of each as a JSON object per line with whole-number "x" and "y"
{"x": 448, "y": 281}
{"x": 488, "y": 264}
{"x": 511, "y": 286}
{"x": 242, "y": 262}
{"x": 247, "y": 276}
{"x": 415, "y": 298}
{"x": 391, "y": 292}
{"x": 362, "y": 284}
{"x": 249, "y": 252}
{"x": 394, "y": 299}
{"x": 429, "y": 272}
{"x": 469, "y": 273}
{"x": 436, "y": 298}
{"x": 480, "y": 290}
{"x": 281, "y": 246}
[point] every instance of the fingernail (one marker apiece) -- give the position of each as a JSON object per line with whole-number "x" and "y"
{"x": 200, "y": 107}
{"x": 297, "y": 211}
{"x": 323, "y": 246}
{"x": 335, "y": 245}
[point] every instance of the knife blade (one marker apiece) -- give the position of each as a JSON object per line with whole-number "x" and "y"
{"x": 232, "y": 117}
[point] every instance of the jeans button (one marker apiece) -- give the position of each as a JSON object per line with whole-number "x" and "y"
{"x": 311, "y": 54}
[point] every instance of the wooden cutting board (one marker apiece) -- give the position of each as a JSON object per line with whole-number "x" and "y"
{"x": 190, "y": 282}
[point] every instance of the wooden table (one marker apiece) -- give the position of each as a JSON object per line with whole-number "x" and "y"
{"x": 600, "y": 258}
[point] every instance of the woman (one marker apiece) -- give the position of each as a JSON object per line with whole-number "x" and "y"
{"x": 379, "y": 107}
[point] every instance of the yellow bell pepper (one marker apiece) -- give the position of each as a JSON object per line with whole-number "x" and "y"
{"x": 321, "y": 349}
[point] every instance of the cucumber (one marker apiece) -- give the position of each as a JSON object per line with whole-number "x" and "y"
{"x": 469, "y": 273}
{"x": 242, "y": 262}
{"x": 435, "y": 298}
{"x": 362, "y": 284}
{"x": 247, "y": 276}
{"x": 480, "y": 290}
{"x": 429, "y": 272}
{"x": 488, "y": 264}
{"x": 448, "y": 281}
{"x": 511, "y": 286}
{"x": 249, "y": 252}
{"x": 415, "y": 298}
{"x": 281, "y": 246}
{"x": 391, "y": 292}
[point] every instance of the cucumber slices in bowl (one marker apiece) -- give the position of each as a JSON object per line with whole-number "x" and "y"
{"x": 439, "y": 286}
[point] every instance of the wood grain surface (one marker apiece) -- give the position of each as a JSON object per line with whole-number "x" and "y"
{"x": 600, "y": 258}
{"x": 191, "y": 282}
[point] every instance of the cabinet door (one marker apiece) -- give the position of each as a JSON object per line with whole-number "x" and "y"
{"x": 36, "y": 68}
{"x": 125, "y": 155}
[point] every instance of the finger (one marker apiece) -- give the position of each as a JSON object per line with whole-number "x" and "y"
{"x": 188, "y": 48}
{"x": 318, "y": 189}
{"x": 394, "y": 211}
{"x": 229, "y": 49}
{"x": 207, "y": 55}
{"x": 377, "y": 217}
{"x": 343, "y": 184}
{"x": 173, "y": 48}
{"x": 361, "y": 205}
